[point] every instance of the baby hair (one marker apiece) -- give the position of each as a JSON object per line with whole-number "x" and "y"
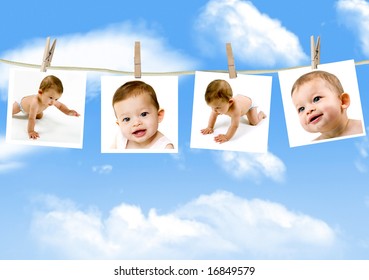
{"x": 135, "y": 88}
{"x": 51, "y": 82}
{"x": 333, "y": 82}
{"x": 218, "y": 89}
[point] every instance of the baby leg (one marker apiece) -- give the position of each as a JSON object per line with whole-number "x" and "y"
{"x": 254, "y": 117}
{"x": 16, "y": 108}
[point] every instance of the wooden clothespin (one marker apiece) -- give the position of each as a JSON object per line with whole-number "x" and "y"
{"x": 48, "y": 54}
{"x": 137, "y": 60}
{"x": 315, "y": 52}
{"x": 230, "y": 58}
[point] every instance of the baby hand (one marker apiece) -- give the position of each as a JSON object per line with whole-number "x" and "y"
{"x": 33, "y": 135}
{"x": 221, "y": 138}
{"x": 207, "y": 130}
{"x": 73, "y": 113}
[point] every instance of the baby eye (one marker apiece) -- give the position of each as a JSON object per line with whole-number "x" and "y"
{"x": 126, "y": 119}
{"x": 316, "y": 99}
{"x": 144, "y": 114}
{"x": 301, "y": 109}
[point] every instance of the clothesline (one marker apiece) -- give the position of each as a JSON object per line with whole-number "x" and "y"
{"x": 171, "y": 73}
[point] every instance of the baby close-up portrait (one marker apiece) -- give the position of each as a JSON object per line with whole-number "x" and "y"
{"x": 138, "y": 116}
{"x": 321, "y": 104}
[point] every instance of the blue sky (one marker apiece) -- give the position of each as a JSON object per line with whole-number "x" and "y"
{"x": 308, "y": 202}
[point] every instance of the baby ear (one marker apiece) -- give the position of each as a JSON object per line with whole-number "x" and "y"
{"x": 345, "y": 100}
{"x": 40, "y": 91}
{"x": 160, "y": 115}
{"x": 230, "y": 101}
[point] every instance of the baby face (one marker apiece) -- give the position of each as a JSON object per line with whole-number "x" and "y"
{"x": 219, "y": 106}
{"x": 49, "y": 96}
{"x": 138, "y": 118}
{"x": 319, "y": 108}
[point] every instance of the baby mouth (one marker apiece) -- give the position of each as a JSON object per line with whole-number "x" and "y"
{"x": 315, "y": 119}
{"x": 139, "y": 133}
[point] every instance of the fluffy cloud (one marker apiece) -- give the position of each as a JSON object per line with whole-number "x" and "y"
{"x": 363, "y": 148}
{"x": 253, "y": 165}
{"x": 256, "y": 38}
{"x": 103, "y": 169}
{"x": 10, "y": 153}
{"x": 220, "y": 225}
{"x": 109, "y": 48}
{"x": 355, "y": 15}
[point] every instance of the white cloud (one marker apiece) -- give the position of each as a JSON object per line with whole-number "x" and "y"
{"x": 10, "y": 154}
{"x": 355, "y": 15}
{"x": 103, "y": 169}
{"x": 9, "y": 166}
{"x": 256, "y": 38}
{"x": 253, "y": 165}
{"x": 109, "y": 48}
{"x": 361, "y": 163}
{"x": 361, "y": 166}
{"x": 363, "y": 147}
{"x": 220, "y": 225}
{"x": 180, "y": 158}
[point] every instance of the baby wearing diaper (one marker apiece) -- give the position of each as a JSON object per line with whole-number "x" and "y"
{"x": 50, "y": 90}
{"x": 219, "y": 97}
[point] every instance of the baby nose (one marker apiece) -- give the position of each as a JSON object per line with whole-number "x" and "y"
{"x": 310, "y": 109}
{"x": 137, "y": 122}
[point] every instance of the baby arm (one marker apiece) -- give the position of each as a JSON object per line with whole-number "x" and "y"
{"x": 212, "y": 120}
{"x": 62, "y": 107}
{"x": 32, "y": 120}
{"x": 221, "y": 138}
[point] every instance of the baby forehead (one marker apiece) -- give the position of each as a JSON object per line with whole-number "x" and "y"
{"x": 216, "y": 103}
{"x": 135, "y": 103}
{"x": 317, "y": 79}
{"x": 313, "y": 86}
{"x": 52, "y": 92}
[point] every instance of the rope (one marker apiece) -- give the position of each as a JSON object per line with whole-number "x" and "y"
{"x": 174, "y": 73}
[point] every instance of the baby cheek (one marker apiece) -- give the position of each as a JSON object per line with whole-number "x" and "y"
{"x": 329, "y": 110}
{"x": 122, "y": 127}
{"x": 125, "y": 132}
{"x": 302, "y": 119}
